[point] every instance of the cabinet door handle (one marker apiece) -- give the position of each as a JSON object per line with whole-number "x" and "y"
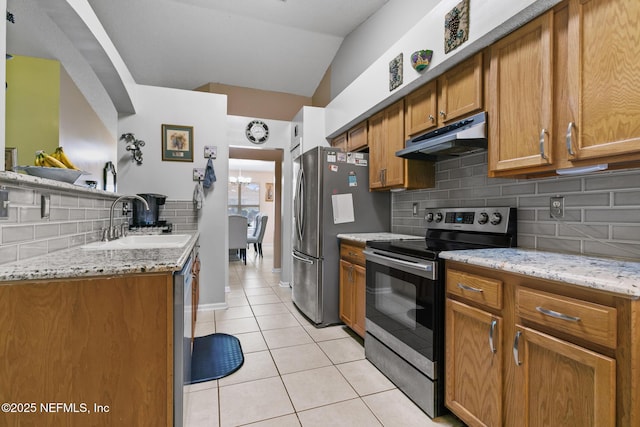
{"x": 492, "y": 329}
{"x": 431, "y": 118}
{"x": 542, "y": 153}
{"x": 443, "y": 114}
{"x": 557, "y": 315}
{"x": 569, "y": 139}
{"x": 516, "y": 342}
{"x": 469, "y": 288}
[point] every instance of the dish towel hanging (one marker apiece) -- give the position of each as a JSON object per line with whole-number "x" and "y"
{"x": 209, "y": 175}
{"x": 198, "y": 195}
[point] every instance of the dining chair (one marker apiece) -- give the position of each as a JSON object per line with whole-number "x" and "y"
{"x": 256, "y": 239}
{"x": 238, "y": 235}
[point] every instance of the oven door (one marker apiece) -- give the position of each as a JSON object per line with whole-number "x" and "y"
{"x": 404, "y": 308}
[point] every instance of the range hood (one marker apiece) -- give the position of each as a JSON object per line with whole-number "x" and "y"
{"x": 464, "y": 137}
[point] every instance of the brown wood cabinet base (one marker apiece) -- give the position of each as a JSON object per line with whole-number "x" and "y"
{"x": 580, "y": 369}
{"x": 353, "y": 286}
{"x": 80, "y": 342}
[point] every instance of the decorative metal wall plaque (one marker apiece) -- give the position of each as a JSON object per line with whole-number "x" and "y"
{"x": 456, "y": 26}
{"x": 395, "y": 72}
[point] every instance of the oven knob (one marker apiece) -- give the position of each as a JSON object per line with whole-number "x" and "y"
{"x": 438, "y": 217}
{"x": 496, "y": 217}
{"x": 429, "y": 217}
{"x": 483, "y": 218}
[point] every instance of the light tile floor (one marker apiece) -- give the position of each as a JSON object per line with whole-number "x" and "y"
{"x": 294, "y": 374}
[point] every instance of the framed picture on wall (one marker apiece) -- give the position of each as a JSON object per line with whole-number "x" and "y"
{"x": 268, "y": 194}
{"x": 177, "y": 143}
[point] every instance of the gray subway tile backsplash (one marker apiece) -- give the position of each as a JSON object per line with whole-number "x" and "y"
{"x": 602, "y": 211}
{"x": 75, "y": 218}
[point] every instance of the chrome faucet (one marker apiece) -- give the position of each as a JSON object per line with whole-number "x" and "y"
{"x": 111, "y": 233}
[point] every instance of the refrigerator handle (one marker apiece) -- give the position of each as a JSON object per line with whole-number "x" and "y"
{"x": 300, "y": 212}
{"x": 299, "y": 258}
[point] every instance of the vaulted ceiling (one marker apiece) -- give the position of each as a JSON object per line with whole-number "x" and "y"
{"x": 276, "y": 45}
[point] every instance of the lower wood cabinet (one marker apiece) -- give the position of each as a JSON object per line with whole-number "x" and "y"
{"x": 473, "y": 364}
{"x": 105, "y": 341}
{"x": 352, "y": 287}
{"x": 563, "y": 384}
{"x": 548, "y": 354}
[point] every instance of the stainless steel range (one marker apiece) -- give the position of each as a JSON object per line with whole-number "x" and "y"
{"x": 405, "y": 297}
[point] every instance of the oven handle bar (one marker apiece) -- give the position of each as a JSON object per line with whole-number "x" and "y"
{"x": 423, "y": 269}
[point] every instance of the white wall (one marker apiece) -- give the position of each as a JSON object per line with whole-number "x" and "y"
{"x": 489, "y": 20}
{"x": 206, "y": 112}
{"x": 364, "y": 45}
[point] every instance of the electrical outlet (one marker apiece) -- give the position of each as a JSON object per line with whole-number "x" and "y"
{"x": 556, "y": 207}
{"x": 415, "y": 209}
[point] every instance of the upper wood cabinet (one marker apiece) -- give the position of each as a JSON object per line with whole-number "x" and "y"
{"x": 422, "y": 109}
{"x": 355, "y": 139}
{"x": 603, "y": 83}
{"x": 340, "y": 142}
{"x": 520, "y": 101}
{"x": 460, "y": 90}
{"x": 451, "y": 96}
{"x": 386, "y": 135}
{"x": 562, "y": 90}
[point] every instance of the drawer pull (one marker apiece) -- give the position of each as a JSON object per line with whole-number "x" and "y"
{"x": 469, "y": 288}
{"x": 353, "y": 254}
{"x": 492, "y": 329}
{"x": 557, "y": 315}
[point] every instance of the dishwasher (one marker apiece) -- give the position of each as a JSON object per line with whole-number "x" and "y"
{"x": 182, "y": 344}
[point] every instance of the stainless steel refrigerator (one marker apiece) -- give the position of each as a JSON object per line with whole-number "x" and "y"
{"x": 331, "y": 196}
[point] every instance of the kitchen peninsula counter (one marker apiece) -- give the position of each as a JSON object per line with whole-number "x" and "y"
{"x": 609, "y": 275}
{"x": 78, "y": 263}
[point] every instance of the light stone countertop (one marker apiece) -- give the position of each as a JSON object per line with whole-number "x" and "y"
{"x": 610, "y": 275}
{"x": 77, "y": 262}
{"x": 380, "y": 236}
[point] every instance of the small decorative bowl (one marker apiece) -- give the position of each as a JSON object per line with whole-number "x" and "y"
{"x": 420, "y": 59}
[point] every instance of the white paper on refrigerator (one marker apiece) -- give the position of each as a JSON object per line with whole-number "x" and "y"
{"x": 342, "y": 208}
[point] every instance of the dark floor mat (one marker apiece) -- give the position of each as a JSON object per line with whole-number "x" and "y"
{"x": 215, "y": 356}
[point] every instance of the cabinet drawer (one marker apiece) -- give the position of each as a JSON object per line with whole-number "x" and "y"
{"x": 585, "y": 320}
{"x": 352, "y": 253}
{"x": 475, "y": 288}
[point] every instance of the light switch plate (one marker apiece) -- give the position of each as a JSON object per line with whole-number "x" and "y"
{"x": 45, "y": 205}
{"x": 210, "y": 151}
{"x": 198, "y": 174}
{"x": 4, "y": 204}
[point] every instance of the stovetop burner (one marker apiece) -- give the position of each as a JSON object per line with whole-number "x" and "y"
{"x": 456, "y": 229}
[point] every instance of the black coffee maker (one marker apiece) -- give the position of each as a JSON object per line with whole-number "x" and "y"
{"x": 148, "y": 218}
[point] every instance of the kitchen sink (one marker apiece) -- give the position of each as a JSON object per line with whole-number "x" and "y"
{"x": 151, "y": 241}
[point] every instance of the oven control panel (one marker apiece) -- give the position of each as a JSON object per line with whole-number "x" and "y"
{"x": 487, "y": 219}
